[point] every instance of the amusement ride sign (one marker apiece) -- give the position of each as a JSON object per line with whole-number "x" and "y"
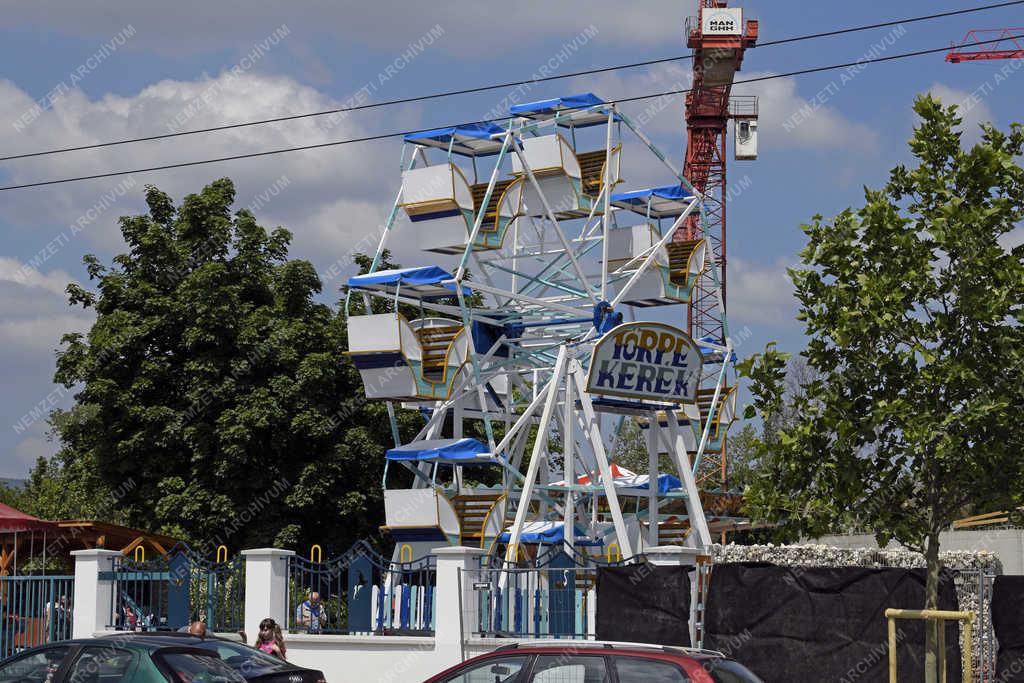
{"x": 646, "y": 360}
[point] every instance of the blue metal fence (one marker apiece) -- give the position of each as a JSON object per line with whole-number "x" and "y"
{"x": 549, "y": 597}
{"x": 34, "y": 610}
{"x": 362, "y": 592}
{"x": 174, "y": 589}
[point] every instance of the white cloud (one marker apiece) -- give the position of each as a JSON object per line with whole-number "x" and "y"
{"x": 760, "y": 294}
{"x": 971, "y": 109}
{"x": 309, "y": 183}
{"x": 24, "y": 455}
{"x": 54, "y": 281}
{"x": 788, "y": 119}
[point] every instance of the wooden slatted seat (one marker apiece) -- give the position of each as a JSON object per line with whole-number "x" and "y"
{"x": 434, "y": 342}
{"x": 491, "y": 214}
{"x": 679, "y": 260}
{"x": 704, "y": 398}
{"x": 472, "y": 511}
{"x": 591, "y": 167}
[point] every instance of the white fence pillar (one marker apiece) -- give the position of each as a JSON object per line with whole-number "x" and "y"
{"x": 454, "y": 601}
{"x": 674, "y": 555}
{"x": 266, "y": 588}
{"x": 93, "y": 599}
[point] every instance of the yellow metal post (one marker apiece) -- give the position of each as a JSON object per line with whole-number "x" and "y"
{"x": 936, "y": 618}
{"x": 940, "y": 628}
{"x": 892, "y": 647}
{"x": 968, "y": 646}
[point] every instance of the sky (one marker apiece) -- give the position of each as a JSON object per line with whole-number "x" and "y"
{"x": 80, "y": 73}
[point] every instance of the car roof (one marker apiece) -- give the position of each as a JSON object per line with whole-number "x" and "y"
{"x": 609, "y": 647}
{"x": 166, "y": 638}
{"x": 131, "y": 640}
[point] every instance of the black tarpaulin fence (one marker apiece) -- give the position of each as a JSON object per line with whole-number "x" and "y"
{"x": 1008, "y": 623}
{"x": 823, "y": 624}
{"x": 644, "y": 603}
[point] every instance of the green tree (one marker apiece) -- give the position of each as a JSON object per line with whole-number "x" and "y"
{"x": 913, "y": 311}
{"x": 214, "y": 383}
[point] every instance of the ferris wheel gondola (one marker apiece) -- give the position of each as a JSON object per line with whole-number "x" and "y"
{"x": 528, "y": 370}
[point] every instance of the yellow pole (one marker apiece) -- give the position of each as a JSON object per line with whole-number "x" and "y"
{"x": 892, "y": 647}
{"x": 936, "y": 618}
{"x": 940, "y": 626}
{"x": 968, "y": 647}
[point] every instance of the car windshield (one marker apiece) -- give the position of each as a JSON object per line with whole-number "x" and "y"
{"x": 728, "y": 671}
{"x": 247, "y": 660}
{"x": 196, "y": 668}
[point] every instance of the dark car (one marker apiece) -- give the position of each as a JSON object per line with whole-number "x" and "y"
{"x": 597, "y": 662}
{"x": 249, "y": 662}
{"x": 117, "y": 659}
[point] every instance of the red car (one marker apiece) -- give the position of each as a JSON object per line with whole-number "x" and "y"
{"x": 582, "y": 661}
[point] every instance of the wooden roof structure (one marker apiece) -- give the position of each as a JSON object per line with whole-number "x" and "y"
{"x": 23, "y": 537}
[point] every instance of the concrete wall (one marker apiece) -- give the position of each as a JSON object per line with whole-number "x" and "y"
{"x": 1006, "y": 544}
{"x": 368, "y": 658}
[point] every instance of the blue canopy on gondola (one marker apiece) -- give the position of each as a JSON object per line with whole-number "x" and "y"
{"x": 666, "y": 483}
{"x": 423, "y": 282}
{"x": 564, "y": 107}
{"x": 471, "y": 139}
{"x": 450, "y": 451}
{"x": 656, "y": 202}
{"x": 712, "y": 355}
{"x": 548, "y": 532}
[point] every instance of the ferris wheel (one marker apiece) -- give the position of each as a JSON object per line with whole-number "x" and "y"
{"x": 537, "y": 325}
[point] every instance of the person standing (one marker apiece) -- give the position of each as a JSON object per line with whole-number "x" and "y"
{"x": 270, "y": 639}
{"x": 311, "y": 615}
{"x": 58, "y": 620}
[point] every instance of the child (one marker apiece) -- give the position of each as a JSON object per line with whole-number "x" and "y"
{"x": 270, "y": 639}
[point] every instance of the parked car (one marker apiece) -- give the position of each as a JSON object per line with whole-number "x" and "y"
{"x": 597, "y": 662}
{"x": 252, "y": 664}
{"x": 117, "y": 659}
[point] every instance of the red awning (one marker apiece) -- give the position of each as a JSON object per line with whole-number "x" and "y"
{"x": 15, "y": 520}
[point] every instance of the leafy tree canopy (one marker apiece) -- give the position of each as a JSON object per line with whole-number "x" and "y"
{"x": 213, "y": 393}
{"x": 913, "y": 306}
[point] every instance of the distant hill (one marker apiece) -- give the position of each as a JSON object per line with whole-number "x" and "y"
{"x": 13, "y": 483}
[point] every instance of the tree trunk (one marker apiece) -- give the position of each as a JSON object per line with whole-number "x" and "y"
{"x": 931, "y": 632}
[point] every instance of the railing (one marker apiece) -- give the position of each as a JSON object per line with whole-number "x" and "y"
{"x": 34, "y": 610}
{"x": 743, "y": 106}
{"x": 362, "y": 592}
{"x": 554, "y": 596}
{"x": 174, "y": 589}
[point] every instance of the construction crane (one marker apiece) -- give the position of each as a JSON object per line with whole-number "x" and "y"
{"x": 1000, "y": 43}
{"x": 718, "y": 36}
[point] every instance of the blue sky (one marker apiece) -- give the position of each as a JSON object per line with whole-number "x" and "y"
{"x": 112, "y": 68}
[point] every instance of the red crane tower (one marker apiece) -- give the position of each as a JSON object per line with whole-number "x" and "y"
{"x": 1006, "y": 44}
{"x": 718, "y": 36}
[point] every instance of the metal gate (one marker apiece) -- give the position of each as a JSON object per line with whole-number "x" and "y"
{"x": 550, "y": 597}
{"x": 362, "y": 592}
{"x": 176, "y": 588}
{"x": 34, "y": 610}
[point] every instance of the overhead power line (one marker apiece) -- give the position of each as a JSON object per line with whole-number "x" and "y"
{"x": 495, "y": 86}
{"x": 382, "y": 136}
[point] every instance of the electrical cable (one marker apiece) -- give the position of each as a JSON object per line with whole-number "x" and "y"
{"x": 496, "y": 86}
{"x": 381, "y": 136}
